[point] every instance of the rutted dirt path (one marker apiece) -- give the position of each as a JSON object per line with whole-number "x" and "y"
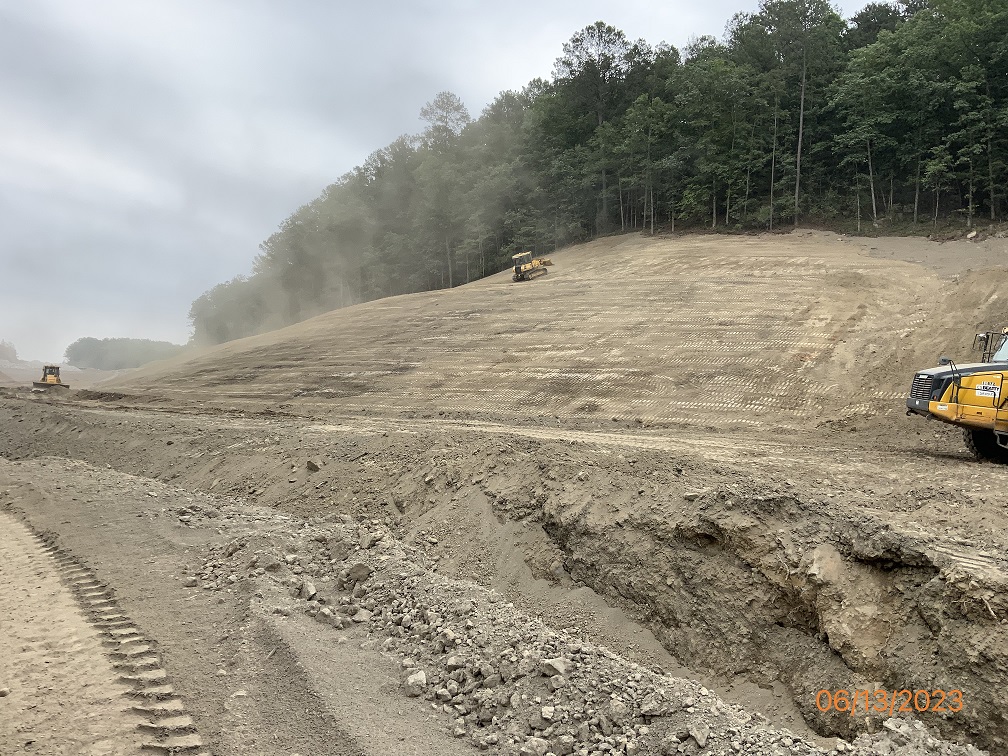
{"x": 64, "y": 696}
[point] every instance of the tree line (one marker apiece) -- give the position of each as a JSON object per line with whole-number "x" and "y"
{"x": 118, "y": 354}
{"x": 896, "y": 116}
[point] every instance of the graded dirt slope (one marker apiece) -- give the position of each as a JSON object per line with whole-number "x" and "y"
{"x": 677, "y": 330}
{"x": 701, "y": 330}
{"x": 692, "y": 450}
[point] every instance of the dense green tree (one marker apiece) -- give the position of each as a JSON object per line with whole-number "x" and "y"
{"x": 866, "y": 25}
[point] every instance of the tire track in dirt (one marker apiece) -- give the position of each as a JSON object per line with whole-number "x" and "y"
{"x": 82, "y": 676}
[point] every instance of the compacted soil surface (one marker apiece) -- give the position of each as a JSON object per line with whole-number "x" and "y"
{"x": 663, "y": 500}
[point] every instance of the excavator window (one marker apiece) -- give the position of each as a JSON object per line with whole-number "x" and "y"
{"x": 1001, "y": 355}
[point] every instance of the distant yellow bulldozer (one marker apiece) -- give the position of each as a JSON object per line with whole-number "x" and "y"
{"x": 50, "y": 379}
{"x": 527, "y": 267}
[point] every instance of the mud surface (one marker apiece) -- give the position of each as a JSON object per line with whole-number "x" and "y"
{"x": 691, "y": 453}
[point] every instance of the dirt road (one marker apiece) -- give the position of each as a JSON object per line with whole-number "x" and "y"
{"x": 691, "y": 451}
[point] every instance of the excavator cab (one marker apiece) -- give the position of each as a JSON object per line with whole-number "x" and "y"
{"x": 993, "y": 345}
{"x": 522, "y": 262}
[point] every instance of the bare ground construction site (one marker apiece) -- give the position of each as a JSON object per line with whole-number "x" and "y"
{"x": 653, "y": 502}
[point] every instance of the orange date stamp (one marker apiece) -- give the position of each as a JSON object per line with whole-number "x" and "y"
{"x": 890, "y": 702}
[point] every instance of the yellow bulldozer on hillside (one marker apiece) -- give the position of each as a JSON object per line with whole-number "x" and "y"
{"x": 970, "y": 395}
{"x": 527, "y": 267}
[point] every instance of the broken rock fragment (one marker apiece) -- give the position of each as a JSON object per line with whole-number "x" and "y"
{"x": 416, "y": 683}
{"x": 534, "y": 747}
{"x": 699, "y": 733}
{"x": 358, "y": 573}
{"x": 551, "y": 667}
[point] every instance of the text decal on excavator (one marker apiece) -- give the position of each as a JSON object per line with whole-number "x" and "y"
{"x": 988, "y": 389}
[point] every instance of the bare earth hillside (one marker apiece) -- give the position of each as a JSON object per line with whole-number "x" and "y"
{"x": 653, "y": 502}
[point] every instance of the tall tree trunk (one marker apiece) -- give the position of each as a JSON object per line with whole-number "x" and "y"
{"x": 652, "y": 211}
{"x": 871, "y": 186}
{"x": 713, "y": 201}
{"x": 801, "y": 130}
{"x": 748, "y": 173}
{"x": 448, "y": 255}
{"x": 917, "y": 188}
{"x": 482, "y": 258}
{"x": 773, "y": 158}
{"x": 622, "y": 215}
{"x": 969, "y": 209}
{"x": 990, "y": 176}
{"x": 603, "y": 223}
{"x": 731, "y": 153}
{"x": 892, "y": 182}
{"x": 857, "y": 200}
{"x": 936, "y": 209}
{"x": 990, "y": 160}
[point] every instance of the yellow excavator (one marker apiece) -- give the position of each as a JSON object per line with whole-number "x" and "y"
{"x": 527, "y": 267}
{"x": 970, "y": 396}
{"x": 50, "y": 379}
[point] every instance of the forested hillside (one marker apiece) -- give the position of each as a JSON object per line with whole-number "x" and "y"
{"x": 897, "y": 117}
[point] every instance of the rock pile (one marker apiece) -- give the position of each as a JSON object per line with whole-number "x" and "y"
{"x": 503, "y": 680}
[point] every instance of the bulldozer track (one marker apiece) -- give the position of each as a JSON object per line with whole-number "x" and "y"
{"x": 147, "y": 715}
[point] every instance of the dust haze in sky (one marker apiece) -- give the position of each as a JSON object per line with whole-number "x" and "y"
{"x": 146, "y": 149}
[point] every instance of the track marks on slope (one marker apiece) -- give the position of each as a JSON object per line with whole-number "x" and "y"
{"x": 95, "y": 682}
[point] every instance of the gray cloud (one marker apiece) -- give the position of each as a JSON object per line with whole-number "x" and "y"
{"x": 147, "y": 148}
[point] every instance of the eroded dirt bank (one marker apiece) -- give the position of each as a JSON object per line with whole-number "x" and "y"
{"x": 772, "y": 587}
{"x": 332, "y": 636}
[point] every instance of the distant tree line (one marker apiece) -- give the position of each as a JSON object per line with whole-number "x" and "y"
{"x": 898, "y": 116}
{"x": 118, "y": 354}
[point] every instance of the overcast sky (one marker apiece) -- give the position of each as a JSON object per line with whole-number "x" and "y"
{"x": 148, "y": 147}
